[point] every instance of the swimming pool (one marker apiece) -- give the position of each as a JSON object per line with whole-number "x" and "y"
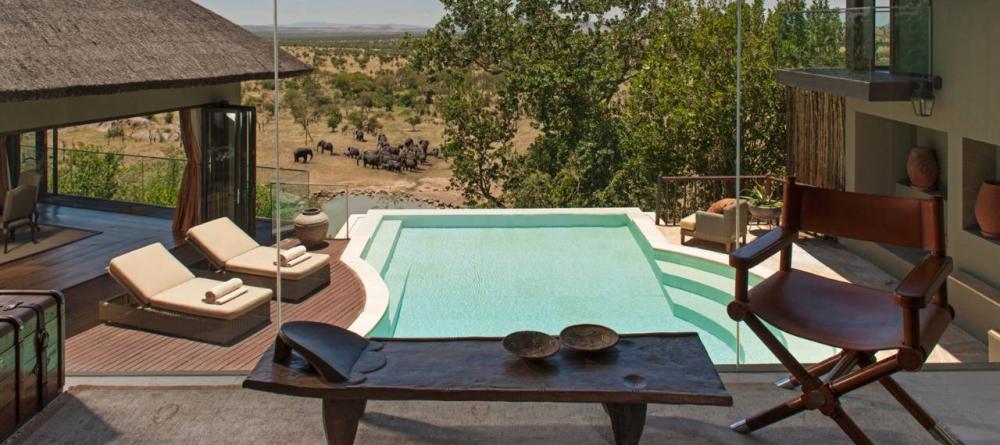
{"x": 482, "y": 273}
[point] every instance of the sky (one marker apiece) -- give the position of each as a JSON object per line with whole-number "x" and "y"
{"x": 353, "y": 12}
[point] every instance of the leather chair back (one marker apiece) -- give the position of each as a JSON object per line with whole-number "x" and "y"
{"x": 916, "y": 223}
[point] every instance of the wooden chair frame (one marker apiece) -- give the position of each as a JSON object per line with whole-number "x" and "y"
{"x": 912, "y": 223}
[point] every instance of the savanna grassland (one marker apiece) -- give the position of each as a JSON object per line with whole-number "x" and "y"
{"x": 358, "y": 80}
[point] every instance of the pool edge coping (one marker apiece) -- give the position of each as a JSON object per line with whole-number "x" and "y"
{"x": 377, "y": 292}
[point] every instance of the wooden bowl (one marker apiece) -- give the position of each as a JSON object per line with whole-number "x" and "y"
{"x": 588, "y": 338}
{"x": 531, "y": 345}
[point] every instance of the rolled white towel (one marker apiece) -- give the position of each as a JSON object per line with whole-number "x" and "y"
{"x": 223, "y": 289}
{"x": 232, "y": 295}
{"x": 298, "y": 260}
{"x": 289, "y": 255}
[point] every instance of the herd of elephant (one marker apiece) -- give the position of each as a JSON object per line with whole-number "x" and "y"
{"x": 407, "y": 156}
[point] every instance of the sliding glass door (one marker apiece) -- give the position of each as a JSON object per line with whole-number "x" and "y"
{"x": 228, "y": 165}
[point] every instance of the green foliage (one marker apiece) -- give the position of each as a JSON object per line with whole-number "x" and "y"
{"x": 307, "y": 103}
{"x": 105, "y": 173}
{"x": 759, "y": 196}
{"x": 621, "y": 92}
{"x": 478, "y": 140}
{"x": 90, "y": 173}
{"x": 414, "y": 121}
{"x": 334, "y": 120}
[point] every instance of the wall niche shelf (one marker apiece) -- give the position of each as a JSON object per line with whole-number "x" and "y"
{"x": 905, "y": 189}
{"x": 974, "y": 231}
{"x": 980, "y": 162}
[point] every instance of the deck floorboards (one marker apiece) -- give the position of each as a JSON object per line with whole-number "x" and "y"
{"x": 109, "y": 349}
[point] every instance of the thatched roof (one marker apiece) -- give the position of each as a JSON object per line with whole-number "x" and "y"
{"x": 59, "y": 48}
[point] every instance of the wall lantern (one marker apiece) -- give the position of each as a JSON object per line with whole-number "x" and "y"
{"x": 923, "y": 96}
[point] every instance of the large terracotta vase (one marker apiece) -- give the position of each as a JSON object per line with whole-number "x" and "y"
{"x": 311, "y": 226}
{"x": 988, "y": 209}
{"x": 923, "y": 169}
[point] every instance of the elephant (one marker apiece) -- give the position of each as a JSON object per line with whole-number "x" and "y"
{"x": 303, "y": 154}
{"x": 359, "y": 136}
{"x": 395, "y": 150}
{"x": 353, "y": 152}
{"x": 424, "y": 144}
{"x": 382, "y": 139}
{"x": 371, "y": 159}
{"x": 408, "y": 143}
{"x": 324, "y": 146}
{"x": 394, "y": 166}
{"x": 410, "y": 162}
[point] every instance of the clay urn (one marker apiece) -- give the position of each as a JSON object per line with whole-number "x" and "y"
{"x": 988, "y": 209}
{"x": 311, "y": 226}
{"x": 922, "y": 168}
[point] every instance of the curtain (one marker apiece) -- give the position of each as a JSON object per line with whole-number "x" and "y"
{"x": 188, "y": 212}
{"x": 4, "y": 169}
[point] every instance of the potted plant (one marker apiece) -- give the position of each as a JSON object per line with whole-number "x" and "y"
{"x": 762, "y": 204}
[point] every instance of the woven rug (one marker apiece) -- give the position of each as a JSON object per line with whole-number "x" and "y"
{"x": 231, "y": 415}
{"x": 50, "y": 237}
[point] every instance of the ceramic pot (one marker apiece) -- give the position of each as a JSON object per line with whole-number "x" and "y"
{"x": 988, "y": 209}
{"x": 922, "y": 168}
{"x": 765, "y": 213}
{"x": 311, "y": 226}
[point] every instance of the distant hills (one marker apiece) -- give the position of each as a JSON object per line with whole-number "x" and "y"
{"x": 324, "y": 29}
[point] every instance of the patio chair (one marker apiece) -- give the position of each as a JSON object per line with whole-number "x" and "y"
{"x": 18, "y": 208}
{"x": 163, "y": 296}
{"x": 718, "y": 227}
{"x": 858, "y": 320}
{"x": 230, "y": 250}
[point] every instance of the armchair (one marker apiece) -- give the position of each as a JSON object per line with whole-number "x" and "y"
{"x": 18, "y": 211}
{"x": 718, "y": 228}
{"x": 858, "y": 320}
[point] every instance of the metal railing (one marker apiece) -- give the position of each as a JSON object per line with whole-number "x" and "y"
{"x": 118, "y": 177}
{"x": 680, "y": 196}
{"x": 858, "y": 41}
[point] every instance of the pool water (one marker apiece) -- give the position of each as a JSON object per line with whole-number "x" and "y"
{"x": 490, "y": 275}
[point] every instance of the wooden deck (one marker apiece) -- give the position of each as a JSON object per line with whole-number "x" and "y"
{"x": 78, "y": 268}
{"x": 112, "y": 350}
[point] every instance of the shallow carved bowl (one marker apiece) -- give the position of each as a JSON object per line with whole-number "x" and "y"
{"x": 531, "y": 345}
{"x": 588, "y": 338}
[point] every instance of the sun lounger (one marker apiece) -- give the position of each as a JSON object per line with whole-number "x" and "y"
{"x": 232, "y": 251}
{"x": 163, "y": 296}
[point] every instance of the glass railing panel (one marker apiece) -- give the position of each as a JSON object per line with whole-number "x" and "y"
{"x": 857, "y": 42}
{"x": 119, "y": 177}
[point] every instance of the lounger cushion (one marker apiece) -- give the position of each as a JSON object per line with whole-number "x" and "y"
{"x": 189, "y": 298}
{"x": 149, "y": 271}
{"x": 221, "y": 240}
{"x": 260, "y": 262}
{"x": 689, "y": 223}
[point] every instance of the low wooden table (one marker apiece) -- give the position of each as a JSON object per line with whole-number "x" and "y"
{"x": 642, "y": 369}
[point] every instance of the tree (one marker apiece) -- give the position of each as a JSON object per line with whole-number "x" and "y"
{"x": 307, "y": 103}
{"x": 478, "y": 138}
{"x": 357, "y": 119}
{"x": 414, "y": 120}
{"x": 372, "y": 124}
{"x": 334, "y": 120}
{"x": 572, "y": 69}
{"x": 561, "y": 64}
